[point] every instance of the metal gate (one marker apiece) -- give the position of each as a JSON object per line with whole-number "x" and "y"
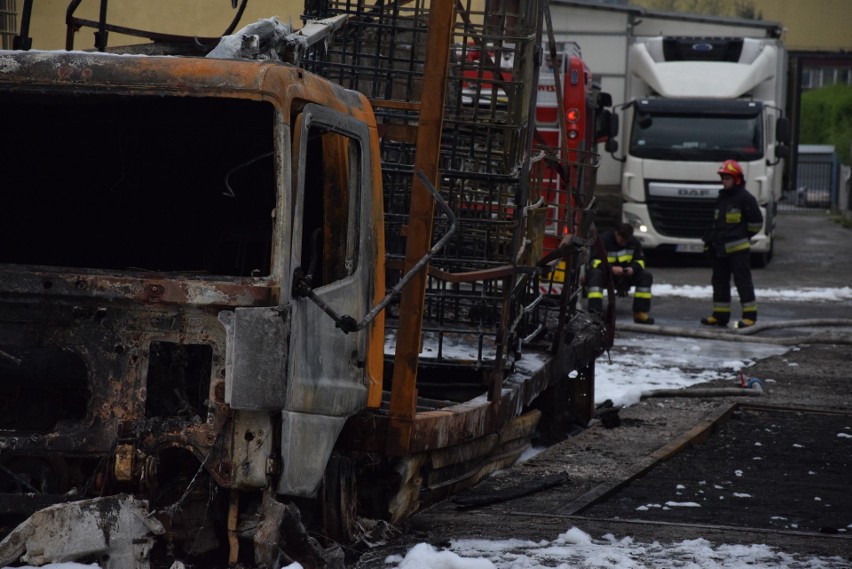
{"x": 816, "y": 180}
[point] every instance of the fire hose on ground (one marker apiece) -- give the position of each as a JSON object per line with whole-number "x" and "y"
{"x": 747, "y": 334}
{"x": 752, "y": 387}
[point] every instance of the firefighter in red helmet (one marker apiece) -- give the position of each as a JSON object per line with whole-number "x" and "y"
{"x": 736, "y": 220}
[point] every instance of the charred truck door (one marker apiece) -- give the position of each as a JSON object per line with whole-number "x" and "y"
{"x": 332, "y": 247}
{"x": 323, "y": 381}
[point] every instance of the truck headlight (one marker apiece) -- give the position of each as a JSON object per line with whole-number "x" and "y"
{"x": 636, "y": 222}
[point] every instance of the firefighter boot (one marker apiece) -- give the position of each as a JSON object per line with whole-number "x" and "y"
{"x": 714, "y": 321}
{"x": 749, "y": 316}
{"x": 642, "y": 318}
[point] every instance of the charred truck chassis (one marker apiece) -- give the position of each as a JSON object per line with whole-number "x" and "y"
{"x": 160, "y": 359}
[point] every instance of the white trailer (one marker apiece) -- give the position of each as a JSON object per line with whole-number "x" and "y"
{"x": 695, "y": 91}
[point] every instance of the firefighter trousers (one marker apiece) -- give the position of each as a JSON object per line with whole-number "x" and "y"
{"x": 641, "y": 295}
{"x": 738, "y": 266}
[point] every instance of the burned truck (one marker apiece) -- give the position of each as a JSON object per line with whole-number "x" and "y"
{"x": 151, "y": 337}
{"x": 203, "y": 292}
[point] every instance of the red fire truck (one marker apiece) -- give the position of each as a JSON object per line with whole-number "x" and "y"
{"x": 566, "y": 174}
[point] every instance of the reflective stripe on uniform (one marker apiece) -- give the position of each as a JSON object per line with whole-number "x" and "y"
{"x": 595, "y": 292}
{"x": 751, "y": 307}
{"x": 721, "y": 307}
{"x": 738, "y": 245}
{"x": 617, "y": 257}
{"x": 624, "y": 256}
{"x": 642, "y": 293}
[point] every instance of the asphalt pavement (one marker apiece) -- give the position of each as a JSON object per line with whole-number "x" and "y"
{"x": 811, "y": 382}
{"x": 811, "y": 252}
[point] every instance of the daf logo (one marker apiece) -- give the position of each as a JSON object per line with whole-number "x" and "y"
{"x": 693, "y": 193}
{"x": 702, "y": 47}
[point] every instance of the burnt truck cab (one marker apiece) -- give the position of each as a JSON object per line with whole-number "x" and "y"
{"x": 157, "y": 214}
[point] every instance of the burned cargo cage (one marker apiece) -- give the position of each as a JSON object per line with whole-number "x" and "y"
{"x": 482, "y": 299}
{"x": 499, "y": 334}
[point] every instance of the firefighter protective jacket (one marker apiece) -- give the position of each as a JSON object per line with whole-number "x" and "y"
{"x": 628, "y": 255}
{"x": 736, "y": 219}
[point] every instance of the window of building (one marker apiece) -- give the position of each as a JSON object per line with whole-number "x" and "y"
{"x": 8, "y": 23}
{"x": 818, "y": 78}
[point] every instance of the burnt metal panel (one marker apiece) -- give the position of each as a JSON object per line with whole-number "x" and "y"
{"x": 256, "y": 357}
{"x": 306, "y": 443}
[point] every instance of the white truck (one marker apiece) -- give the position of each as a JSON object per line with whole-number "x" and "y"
{"x": 693, "y": 102}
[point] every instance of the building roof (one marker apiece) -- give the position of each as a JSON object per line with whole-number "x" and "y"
{"x": 774, "y": 29}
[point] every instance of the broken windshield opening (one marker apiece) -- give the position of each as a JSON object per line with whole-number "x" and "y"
{"x": 138, "y": 183}
{"x": 695, "y": 137}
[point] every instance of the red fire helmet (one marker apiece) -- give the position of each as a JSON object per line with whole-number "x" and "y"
{"x": 732, "y": 168}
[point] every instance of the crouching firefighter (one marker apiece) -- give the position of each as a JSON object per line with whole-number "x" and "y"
{"x": 627, "y": 263}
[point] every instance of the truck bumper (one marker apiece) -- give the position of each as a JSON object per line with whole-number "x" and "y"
{"x": 637, "y": 215}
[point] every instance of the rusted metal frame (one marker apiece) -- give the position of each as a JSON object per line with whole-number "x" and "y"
{"x": 23, "y": 40}
{"x": 455, "y": 424}
{"x": 394, "y": 32}
{"x": 398, "y": 132}
{"x": 445, "y": 330}
{"x": 419, "y": 230}
{"x": 585, "y": 162}
{"x": 484, "y": 58}
{"x": 525, "y": 309}
{"x": 454, "y": 299}
{"x": 347, "y": 323}
{"x": 582, "y": 404}
{"x": 71, "y": 25}
{"x": 560, "y": 111}
{"x": 379, "y": 20}
{"x": 507, "y": 324}
{"x": 496, "y": 380}
{"x": 465, "y": 277}
{"x": 77, "y": 23}
{"x": 233, "y": 520}
{"x": 158, "y": 288}
{"x": 101, "y": 35}
{"x": 74, "y": 24}
{"x": 404, "y": 105}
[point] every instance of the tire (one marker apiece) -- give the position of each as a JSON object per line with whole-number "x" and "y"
{"x": 760, "y": 260}
{"x": 339, "y": 497}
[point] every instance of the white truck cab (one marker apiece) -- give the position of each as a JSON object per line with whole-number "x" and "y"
{"x": 694, "y": 103}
